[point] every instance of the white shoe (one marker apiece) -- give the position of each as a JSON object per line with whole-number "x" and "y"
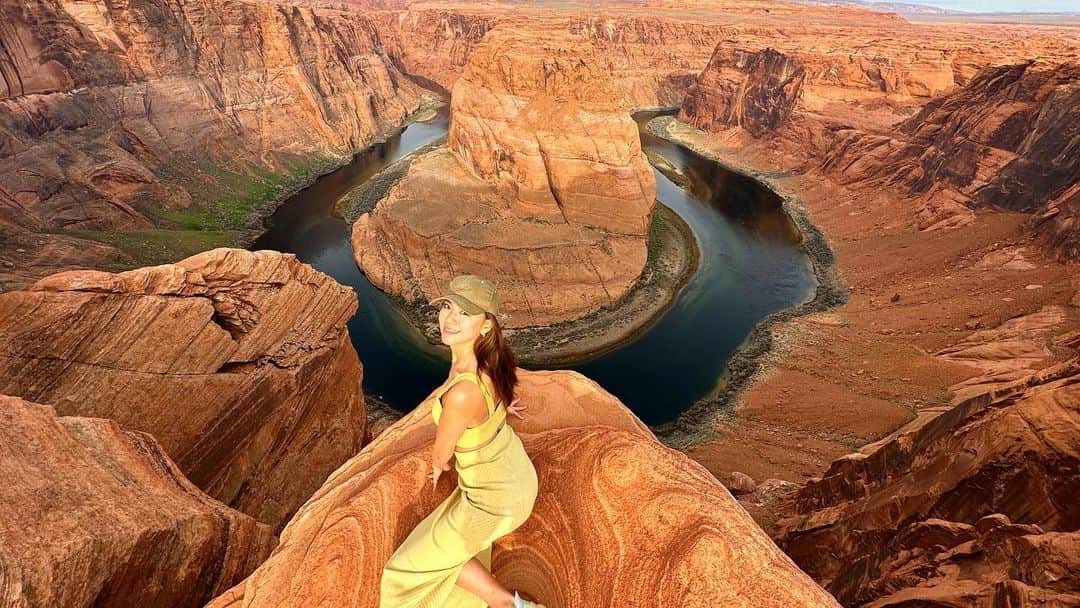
{"x": 520, "y": 603}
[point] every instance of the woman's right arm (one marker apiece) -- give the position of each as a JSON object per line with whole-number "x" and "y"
{"x": 461, "y": 404}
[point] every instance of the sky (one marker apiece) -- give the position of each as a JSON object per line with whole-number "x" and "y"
{"x": 1004, "y": 6}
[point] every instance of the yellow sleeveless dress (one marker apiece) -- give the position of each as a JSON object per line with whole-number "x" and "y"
{"x": 495, "y": 493}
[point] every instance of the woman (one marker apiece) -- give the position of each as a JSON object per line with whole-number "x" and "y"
{"x": 445, "y": 560}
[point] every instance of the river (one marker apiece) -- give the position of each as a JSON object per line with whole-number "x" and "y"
{"x": 751, "y": 264}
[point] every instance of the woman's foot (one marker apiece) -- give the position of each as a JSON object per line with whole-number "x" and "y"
{"x": 520, "y": 603}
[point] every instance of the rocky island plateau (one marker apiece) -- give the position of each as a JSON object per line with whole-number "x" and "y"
{"x": 183, "y": 420}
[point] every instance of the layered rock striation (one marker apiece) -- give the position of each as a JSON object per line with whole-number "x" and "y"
{"x": 1009, "y": 455}
{"x": 991, "y": 562}
{"x": 238, "y": 363}
{"x": 179, "y": 115}
{"x": 91, "y": 514}
{"x": 537, "y": 114}
{"x": 651, "y": 58}
{"x": 1001, "y": 141}
{"x": 618, "y": 515}
{"x": 544, "y": 187}
{"x": 757, "y": 91}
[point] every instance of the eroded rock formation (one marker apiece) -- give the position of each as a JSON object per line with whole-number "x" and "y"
{"x": 992, "y": 562}
{"x": 1003, "y": 141}
{"x": 1012, "y": 453}
{"x": 122, "y": 116}
{"x": 544, "y": 189}
{"x": 238, "y": 363}
{"x": 757, "y": 91}
{"x": 651, "y": 58}
{"x": 91, "y": 514}
{"x": 618, "y": 515}
{"x": 536, "y": 112}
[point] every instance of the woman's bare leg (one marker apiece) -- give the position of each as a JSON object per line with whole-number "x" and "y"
{"x": 476, "y": 579}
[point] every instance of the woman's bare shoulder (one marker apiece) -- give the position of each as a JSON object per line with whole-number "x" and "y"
{"x": 465, "y": 398}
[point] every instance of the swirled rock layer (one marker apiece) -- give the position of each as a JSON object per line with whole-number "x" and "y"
{"x": 238, "y": 363}
{"x": 93, "y": 515}
{"x": 612, "y": 500}
{"x": 544, "y": 189}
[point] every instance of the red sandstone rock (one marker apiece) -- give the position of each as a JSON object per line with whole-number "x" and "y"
{"x": 111, "y": 113}
{"x": 993, "y": 562}
{"x": 1014, "y": 451}
{"x": 1005, "y": 353}
{"x": 740, "y": 483}
{"x": 537, "y": 112}
{"x": 238, "y": 363}
{"x": 92, "y": 515}
{"x": 999, "y": 142}
{"x": 618, "y": 515}
{"x": 757, "y": 91}
{"x": 651, "y": 58}
{"x": 1057, "y": 225}
{"x": 546, "y": 191}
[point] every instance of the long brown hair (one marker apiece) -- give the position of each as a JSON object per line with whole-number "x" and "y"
{"x": 497, "y": 360}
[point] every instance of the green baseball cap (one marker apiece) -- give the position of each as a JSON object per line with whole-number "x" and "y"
{"x": 473, "y": 294}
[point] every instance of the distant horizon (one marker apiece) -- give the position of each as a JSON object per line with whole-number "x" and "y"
{"x": 997, "y": 6}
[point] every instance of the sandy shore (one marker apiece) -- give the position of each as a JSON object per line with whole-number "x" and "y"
{"x": 817, "y": 382}
{"x": 672, "y": 259}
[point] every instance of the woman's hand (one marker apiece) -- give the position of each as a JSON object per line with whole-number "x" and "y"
{"x": 435, "y": 472}
{"x": 516, "y": 409}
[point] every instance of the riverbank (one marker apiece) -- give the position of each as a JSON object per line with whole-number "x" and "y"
{"x": 672, "y": 259}
{"x": 822, "y": 380}
{"x": 256, "y": 223}
{"x": 692, "y": 425}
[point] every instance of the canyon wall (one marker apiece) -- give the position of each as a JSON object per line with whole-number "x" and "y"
{"x": 651, "y": 59}
{"x": 238, "y": 363}
{"x": 618, "y": 515}
{"x": 1006, "y": 140}
{"x": 973, "y": 502}
{"x": 93, "y": 515}
{"x": 177, "y": 114}
{"x": 757, "y": 91}
{"x": 1003, "y": 140}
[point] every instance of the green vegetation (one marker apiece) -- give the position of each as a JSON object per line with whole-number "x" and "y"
{"x": 231, "y": 196}
{"x": 157, "y": 246}
{"x": 225, "y": 200}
